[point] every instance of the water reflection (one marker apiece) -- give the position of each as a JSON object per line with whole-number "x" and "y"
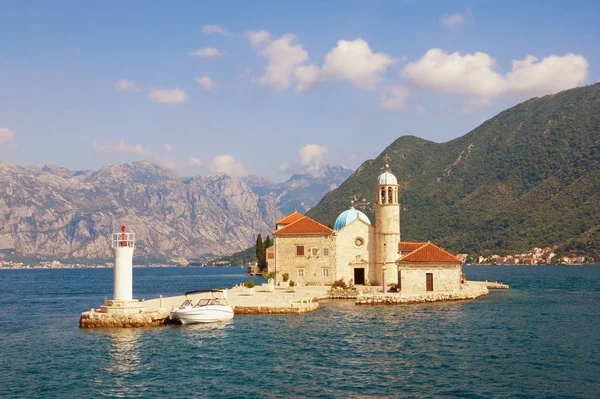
{"x": 124, "y": 362}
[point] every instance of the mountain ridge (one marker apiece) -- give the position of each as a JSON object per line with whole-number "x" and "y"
{"x": 494, "y": 188}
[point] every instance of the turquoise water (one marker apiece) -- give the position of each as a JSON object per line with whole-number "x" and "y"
{"x": 541, "y": 339}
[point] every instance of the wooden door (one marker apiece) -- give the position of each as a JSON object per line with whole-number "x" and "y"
{"x": 359, "y": 275}
{"x": 429, "y": 277}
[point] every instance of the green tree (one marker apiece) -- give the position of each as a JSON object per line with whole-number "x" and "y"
{"x": 268, "y": 242}
{"x": 261, "y": 255}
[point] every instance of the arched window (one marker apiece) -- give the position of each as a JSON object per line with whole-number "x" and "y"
{"x": 382, "y": 200}
{"x": 390, "y": 196}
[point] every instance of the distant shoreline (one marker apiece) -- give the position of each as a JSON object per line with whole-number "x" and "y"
{"x": 108, "y": 267}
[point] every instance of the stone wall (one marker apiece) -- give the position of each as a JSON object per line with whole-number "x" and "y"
{"x": 95, "y": 319}
{"x": 347, "y": 251}
{"x": 396, "y": 299}
{"x": 445, "y": 277}
{"x": 288, "y": 262}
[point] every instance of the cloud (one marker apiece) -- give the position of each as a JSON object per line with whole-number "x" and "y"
{"x": 453, "y": 20}
{"x": 167, "y": 147}
{"x": 355, "y": 62}
{"x": 6, "y": 135}
{"x": 394, "y": 97}
{"x": 206, "y": 52}
{"x": 168, "y": 96}
{"x": 257, "y": 37}
{"x": 312, "y": 156}
{"x": 171, "y": 163}
{"x": 475, "y": 75}
{"x": 122, "y": 148}
{"x": 283, "y": 57}
{"x": 226, "y": 163}
{"x": 206, "y": 82}
{"x": 125, "y": 84}
{"x": 216, "y": 29}
{"x": 420, "y": 109}
{"x": 193, "y": 162}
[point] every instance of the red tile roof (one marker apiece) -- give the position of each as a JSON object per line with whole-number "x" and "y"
{"x": 305, "y": 225}
{"x": 291, "y": 218}
{"x": 410, "y": 246}
{"x": 429, "y": 253}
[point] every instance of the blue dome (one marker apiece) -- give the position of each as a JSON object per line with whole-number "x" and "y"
{"x": 347, "y": 217}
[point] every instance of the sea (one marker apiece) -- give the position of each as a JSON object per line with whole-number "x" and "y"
{"x": 540, "y": 339}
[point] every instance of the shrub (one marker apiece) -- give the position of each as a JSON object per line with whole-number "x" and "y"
{"x": 268, "y": 275}
{"x": 367, "y": 283}
{"x": 250, "y": 284}
{"x": 292, "y": 283}
{"x": 339, "y": 284}
{"x": 285, "y": 276}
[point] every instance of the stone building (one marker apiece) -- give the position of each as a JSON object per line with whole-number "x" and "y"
{"x": 360, "y": 253}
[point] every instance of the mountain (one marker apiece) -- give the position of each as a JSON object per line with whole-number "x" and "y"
{"x": 49, "y": 212}
{"x": 301, "y": 191}
{"x": 528, "y": 177}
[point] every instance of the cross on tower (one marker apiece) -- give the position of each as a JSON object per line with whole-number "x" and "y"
{"x": 387, "y": 159}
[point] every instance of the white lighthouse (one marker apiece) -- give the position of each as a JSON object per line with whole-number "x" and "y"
{"x": 123, "y": 244}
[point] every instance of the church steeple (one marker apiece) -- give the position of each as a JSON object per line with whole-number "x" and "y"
{"x": 387, "y": 224}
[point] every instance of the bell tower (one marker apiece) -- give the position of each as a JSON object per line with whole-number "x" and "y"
{"x": 387, "y": 226}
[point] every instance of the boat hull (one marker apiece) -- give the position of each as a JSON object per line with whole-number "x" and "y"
{"x": 203, "y": 314}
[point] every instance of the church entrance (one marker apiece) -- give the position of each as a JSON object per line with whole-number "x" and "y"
{"x": 359, "y": 275}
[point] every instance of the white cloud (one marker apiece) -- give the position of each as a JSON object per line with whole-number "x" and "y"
{"x": 122, "y": 148}
{"x": 312, "y": 156}
{"x": 283, "y": 58}
{"x": 206, "y": 82}
{"x": 193, "y": 162}
{"x": 307, "y": 76}
{"x": 420, "y": 109}
{"x": 167, "y": 147}
{"x": 226, "y": 163}
{"x": 355, "y": 62}
{"x": 475, "y": 75}
{"x": 125, "y": 84}
{"x": 206, "y": 52}
{"x": 257, "y": 37}
{"x": 453, "y": 20}
{"x": 172, "y": 163}
{"x": 168, "y": 96}
{"x": 6, "y": 135}
{"x": 215, "y": 29}
{"x": 394, "y": 97}
{"x": 550, "y": 75}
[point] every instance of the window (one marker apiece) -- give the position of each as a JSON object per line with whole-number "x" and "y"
{"x": 359, "y": 242}
{"x": 300, "y": 272}
{"x": 325, "y": 251}
{"x": 299, "y": 250}
{"x": 315, "y": 251}
{"x": 325, "y": 272}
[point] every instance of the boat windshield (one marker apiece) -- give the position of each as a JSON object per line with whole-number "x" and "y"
{"x": 211, "y": 301}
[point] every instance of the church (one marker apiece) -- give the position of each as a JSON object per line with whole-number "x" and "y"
{"x": 362, "y": 253}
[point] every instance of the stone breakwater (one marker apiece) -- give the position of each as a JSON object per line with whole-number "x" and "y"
{"x": 397, "y": 299}
{"x": 95, "y": 319}
{"x": 294, "y": 308}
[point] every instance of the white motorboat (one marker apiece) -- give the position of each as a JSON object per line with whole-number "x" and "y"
{"x": 210, "y": 308}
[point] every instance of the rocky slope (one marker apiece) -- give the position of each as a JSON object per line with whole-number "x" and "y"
{"x": 48, "y": 212}
{"x": 301, "y": 191}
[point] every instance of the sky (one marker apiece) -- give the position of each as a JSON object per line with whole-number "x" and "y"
{"x": 272, "y": 87}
